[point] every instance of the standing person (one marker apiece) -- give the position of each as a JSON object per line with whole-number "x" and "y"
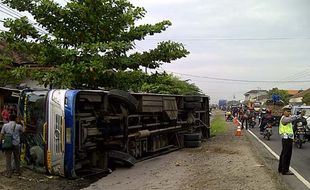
{"x": 245, "y": 118}
{"x": 287, "y": 134}
{"x": 5, "y": 114}
{"x": 15, "y": 129}
{"x": 240, "y": 114}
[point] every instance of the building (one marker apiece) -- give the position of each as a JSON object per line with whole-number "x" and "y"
{"x": 9, "y": 90}
{"x": 293, "y": 92}
{"x": 256, "y": 95}
{"x": 297, "y": 99}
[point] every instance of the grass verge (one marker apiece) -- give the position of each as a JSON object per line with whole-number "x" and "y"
{"x": 218, "y": 125}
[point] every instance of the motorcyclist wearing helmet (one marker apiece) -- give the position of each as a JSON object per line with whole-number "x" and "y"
{"x": 267, "y": 118}
{"x": 228, "y": 115}
{"x": 301, "y": 119}
{"x": 261, "y": 114}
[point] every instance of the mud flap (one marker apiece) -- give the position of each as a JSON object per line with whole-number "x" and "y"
{"x": 122, "y": 157}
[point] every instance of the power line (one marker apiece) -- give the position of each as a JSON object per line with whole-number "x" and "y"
{"x": 7, "y": 13}
{"x": 233, "y": 39}
{"x": 297, "y": 74}
{"x": 300, "y": 76}
{"x": 242, "y": 80}
{"x": 15, "y": 14}
{"x": 10, "y": 10}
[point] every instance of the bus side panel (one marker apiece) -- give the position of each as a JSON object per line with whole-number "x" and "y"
{"x": 70, "y": 133}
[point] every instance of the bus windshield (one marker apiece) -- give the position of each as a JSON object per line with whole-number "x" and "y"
{"x": 32, "y": 109}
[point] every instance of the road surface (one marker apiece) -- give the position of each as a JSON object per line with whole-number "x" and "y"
{"x": 300, "y": 157}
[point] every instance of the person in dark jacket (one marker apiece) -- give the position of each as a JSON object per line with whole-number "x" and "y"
{"x": 245, "y": 118}
{"x": 300, "y": 119}
{"x": 267, "y": 118}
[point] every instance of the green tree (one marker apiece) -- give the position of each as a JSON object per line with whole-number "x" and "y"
{"x": 282, "y": 93}
{"x": 168, "y": 84}
{"x": 88, "y": 43}
{"x": 164, "y": 83}
{"x": 306, "y": 99}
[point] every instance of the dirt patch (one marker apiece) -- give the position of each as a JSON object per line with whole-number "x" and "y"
{"x": 30, "y": 180}
{"x": 230, "y": 162}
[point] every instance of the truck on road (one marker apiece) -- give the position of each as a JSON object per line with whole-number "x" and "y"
{"x": 223, "y": 104}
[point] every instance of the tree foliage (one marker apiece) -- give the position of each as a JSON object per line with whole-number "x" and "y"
{"x": 306, "y": 99}
{"x": 169, "y": 84}
{"x": 162, "y": 83}
{"x": 282, "y": 93}
{"x": 90, "y": 44}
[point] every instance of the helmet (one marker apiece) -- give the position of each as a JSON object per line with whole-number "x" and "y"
{"x": 301, "y": 112}
{"x": 287, "y": 108}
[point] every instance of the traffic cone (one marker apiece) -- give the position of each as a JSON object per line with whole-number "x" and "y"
{"x": 238, "y": 132}
{"x": 235, "y": 121}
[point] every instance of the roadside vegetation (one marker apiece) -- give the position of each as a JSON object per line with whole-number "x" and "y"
{"x": 218, "y": 125}
{"x": 88, "y": 44}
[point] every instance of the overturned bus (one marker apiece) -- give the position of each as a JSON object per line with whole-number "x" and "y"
{"x": 77, "y": 132}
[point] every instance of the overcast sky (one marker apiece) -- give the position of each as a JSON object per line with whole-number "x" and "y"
{"x": 245, "y": 39}
{"x": 251, "y": 40}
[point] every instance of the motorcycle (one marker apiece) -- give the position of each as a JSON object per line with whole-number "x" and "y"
{"x": 252, "y": 122}
{"x": 267, "y": 131}
{"x": 259, "y": 118}
{"x": 300, "y": 135}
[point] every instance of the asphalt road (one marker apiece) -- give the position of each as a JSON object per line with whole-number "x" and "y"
{"x": 300, "y": 158}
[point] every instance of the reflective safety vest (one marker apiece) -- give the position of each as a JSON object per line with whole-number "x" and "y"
{"x": 288, "y": 129}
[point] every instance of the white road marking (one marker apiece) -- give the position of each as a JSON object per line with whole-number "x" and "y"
{"x": 302, "y": 179}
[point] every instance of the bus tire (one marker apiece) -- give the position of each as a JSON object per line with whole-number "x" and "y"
{"x": 192, "y": 105}
{"x": 126, "y": 98}
{"x": 192, "y": 137}
{"x": 192, "y": 144}
{"x": 192, "y": 98}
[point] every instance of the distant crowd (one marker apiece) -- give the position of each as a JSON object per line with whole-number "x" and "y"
{"x": 291, "y": 128}
{"x": 244, "y": 114}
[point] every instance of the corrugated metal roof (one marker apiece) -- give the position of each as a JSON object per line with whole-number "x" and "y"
{"x": 301, "y": 94}
{"x": 292, "y": 92}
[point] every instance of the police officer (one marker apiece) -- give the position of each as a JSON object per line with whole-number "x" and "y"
{"x": 287, "y": 134}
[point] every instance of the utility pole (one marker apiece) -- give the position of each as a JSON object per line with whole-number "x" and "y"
{"x": 258, "y": 89}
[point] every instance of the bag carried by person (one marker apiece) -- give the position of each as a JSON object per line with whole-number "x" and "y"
{"x": 7, "y": 142}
